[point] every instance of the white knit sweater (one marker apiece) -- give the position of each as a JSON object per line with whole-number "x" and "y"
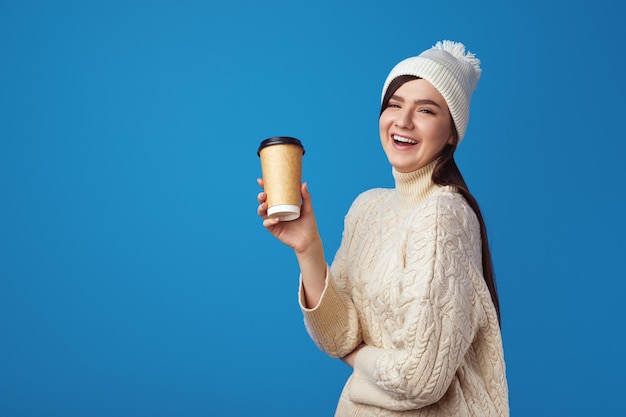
{"x": 407, "y": 281}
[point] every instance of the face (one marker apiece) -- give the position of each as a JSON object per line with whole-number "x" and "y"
{"x": 415, "y": 126}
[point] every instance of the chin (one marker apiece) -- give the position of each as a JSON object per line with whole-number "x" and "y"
{"x": 405, "y": 166}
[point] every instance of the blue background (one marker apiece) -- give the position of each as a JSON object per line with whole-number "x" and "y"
{"x": 135, "y": 276}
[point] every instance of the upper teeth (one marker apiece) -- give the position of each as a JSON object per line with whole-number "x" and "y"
{"x": 403, "y": 139}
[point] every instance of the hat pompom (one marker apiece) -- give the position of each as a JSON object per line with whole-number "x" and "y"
{"x": 457, "y": 50}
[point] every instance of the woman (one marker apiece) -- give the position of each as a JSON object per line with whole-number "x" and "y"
{"x": 410, "y": 299}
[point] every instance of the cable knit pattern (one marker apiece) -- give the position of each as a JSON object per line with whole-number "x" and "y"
{"x": 407, "y": 281}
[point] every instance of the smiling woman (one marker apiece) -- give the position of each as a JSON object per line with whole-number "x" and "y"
{"x": 409, "y": 301}
{"x": 415, "y": 126}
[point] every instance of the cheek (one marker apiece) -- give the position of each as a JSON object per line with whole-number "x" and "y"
{"x": 381, "y": 126}
{"x": 383, "y": 122}
{"x": 441, "y": 134}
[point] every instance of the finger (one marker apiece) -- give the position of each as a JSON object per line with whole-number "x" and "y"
{"x": 269, "y": 222}
{"x": 260, "y": 182}
{"x": 306, "y": 197}
{"x": 262, "y": 210}
{"x": 304, "y": 189}
{"x": 261, "y": 197}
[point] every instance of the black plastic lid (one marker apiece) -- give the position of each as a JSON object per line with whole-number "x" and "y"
{"x": 280, "y": 140}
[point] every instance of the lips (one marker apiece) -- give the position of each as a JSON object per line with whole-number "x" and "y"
{"x": 403, "y": 140}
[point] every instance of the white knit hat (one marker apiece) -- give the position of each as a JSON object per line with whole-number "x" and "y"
{"x": 451, "y": 70}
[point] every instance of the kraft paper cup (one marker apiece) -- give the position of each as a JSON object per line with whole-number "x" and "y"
{"x": 281, "y": 166}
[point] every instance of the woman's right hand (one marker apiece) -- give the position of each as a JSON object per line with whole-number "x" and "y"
{"x": 299, "y": 234}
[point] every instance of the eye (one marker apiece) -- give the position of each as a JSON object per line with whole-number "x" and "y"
{"x": 393, "y": 105}
{"x": 426, "y": 111}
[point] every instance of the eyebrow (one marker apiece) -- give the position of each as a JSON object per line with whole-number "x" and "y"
{"x": 418, "y": 102}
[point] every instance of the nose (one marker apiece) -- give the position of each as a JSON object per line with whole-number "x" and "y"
{"x": 405, "y": 119}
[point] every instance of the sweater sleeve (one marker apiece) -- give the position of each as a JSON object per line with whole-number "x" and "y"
{"x": 334, "y": 324}
{"x": 438, "y": 308}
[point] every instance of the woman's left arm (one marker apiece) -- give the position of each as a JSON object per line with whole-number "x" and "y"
{"x": 438, "y": 309}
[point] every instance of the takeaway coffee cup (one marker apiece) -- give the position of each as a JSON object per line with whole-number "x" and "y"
{"x": 281, "y": 166}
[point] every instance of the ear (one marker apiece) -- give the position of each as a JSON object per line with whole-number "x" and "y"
{"x": 453, "y": 133}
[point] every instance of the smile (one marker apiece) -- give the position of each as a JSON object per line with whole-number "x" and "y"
{"x": 404, "y": 140}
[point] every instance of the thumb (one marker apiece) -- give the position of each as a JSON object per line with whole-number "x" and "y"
{"x": 306, "y": 197}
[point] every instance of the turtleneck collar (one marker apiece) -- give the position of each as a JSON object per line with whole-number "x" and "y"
{"x": 413, "y": 187}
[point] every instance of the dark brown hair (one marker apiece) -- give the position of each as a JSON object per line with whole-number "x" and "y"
{"x": 447, "y": 173}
